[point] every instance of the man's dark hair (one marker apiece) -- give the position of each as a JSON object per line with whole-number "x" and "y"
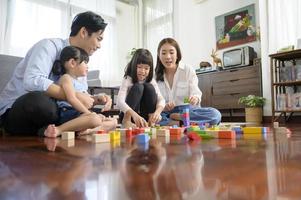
{"x": 90, "y": 20}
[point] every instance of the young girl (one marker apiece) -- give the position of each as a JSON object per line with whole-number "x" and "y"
{"x": 139, "y": 97}
{"x": 177, "y": 82}
{"x": 74, "y": 116}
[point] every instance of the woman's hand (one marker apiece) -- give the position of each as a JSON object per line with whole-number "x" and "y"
{"x": 169, "y": 106}
{"x": 193, "y": 100}
{"x": 154, "y": 118}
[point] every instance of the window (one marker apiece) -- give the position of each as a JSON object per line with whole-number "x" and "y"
{"x": 25, "y": 22}
{"x": 158, "y": 22}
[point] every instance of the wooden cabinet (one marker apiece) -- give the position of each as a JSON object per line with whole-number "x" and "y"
{"x": 222, "y": 89}
{"x": 285, "y": 83}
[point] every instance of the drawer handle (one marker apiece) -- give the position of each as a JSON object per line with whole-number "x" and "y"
{"x": 232, "y": 94}
{"x": 234, "y": 80}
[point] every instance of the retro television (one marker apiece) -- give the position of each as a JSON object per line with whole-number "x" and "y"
{"x": 239, "y": 57}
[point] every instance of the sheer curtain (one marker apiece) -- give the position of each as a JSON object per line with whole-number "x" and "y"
{"x": 158, "y": 22}
{"x": 25, "y": 22}
{"x": 284, "y": 21}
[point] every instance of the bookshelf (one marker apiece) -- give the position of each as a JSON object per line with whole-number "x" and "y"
{"x": 285, "y": 84}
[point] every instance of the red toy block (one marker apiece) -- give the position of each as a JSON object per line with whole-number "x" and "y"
{"x": 193, "y": 136}
{"x": 129, "y": 133}
{"x": 224, "y": 134}
{"x": 101, "y": 132}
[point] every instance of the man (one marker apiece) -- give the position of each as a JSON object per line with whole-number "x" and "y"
{"x": 27, "y": 103}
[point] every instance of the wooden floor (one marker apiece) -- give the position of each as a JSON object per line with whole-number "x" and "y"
{"x": 258, "y": 167}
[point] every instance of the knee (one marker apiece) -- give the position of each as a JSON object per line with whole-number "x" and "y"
{"x": 148, "y": 87}
{"x": 216, "y": 116}
{"x": 138, "y": 87}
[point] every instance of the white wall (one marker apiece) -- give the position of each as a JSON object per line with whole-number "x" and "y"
{"x": 195, "y": 27}
{"x": 195, "y": 32}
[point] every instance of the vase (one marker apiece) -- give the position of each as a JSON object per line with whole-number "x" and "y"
{"x": 254, "y": 115}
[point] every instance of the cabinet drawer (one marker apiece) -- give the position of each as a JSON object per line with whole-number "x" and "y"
{"x": 229, "y": 101}
{"x": 237, "y": 86}
{"x": 235, "y": 74}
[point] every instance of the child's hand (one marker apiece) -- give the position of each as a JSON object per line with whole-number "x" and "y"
{"x": 106, "y": 100}
{"x": 139, "y": 121}
{"x": 193, "y": 100}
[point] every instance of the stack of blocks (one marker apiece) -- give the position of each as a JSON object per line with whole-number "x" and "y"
{"x": 185, "y": 116}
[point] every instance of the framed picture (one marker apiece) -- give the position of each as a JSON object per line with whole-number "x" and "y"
{"x": 236, "y": 27}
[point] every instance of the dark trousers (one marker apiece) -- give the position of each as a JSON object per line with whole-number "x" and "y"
{"x": 29, "y": 113}
{"x": 142, "y": 98}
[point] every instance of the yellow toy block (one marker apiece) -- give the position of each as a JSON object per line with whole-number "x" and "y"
{"x": 68, "y": 135}
{"x": 114, "y": 135}
{"x": 252, "y": 130}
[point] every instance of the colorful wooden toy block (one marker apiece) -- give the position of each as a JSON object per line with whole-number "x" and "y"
{"x": 163, "y": 132}
{"x": 252, "y": 130}
{"x": 68, "y": 135}
{"x": 142, "y": 138}
{"x": 114, "y": 135}
{"x": 175, "y": 131}
{"x": 98, "y": 138}
{"x": 226, "y": 134}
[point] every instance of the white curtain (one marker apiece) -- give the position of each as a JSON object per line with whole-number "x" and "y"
{"x": 158, "y": 22}
{"x": 25, "y": 22}
{"x": 284, "y": 21}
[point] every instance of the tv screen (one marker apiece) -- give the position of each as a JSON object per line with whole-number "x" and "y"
{"x": 233, "y": 57}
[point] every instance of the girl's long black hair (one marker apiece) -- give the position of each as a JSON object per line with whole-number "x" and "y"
{"x": 68, "y": 53}
{"x": 141, "y": 56}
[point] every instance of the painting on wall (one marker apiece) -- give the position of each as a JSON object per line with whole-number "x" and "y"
{"x": 236, "y": 27}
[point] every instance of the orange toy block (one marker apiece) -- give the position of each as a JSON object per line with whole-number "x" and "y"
{"x": 175, "y": 131}
{"x": 252, "y": 130}
{"x": 226, "y": 134}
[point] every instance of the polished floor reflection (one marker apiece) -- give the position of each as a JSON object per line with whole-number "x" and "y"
{"x": 251, "y": 167}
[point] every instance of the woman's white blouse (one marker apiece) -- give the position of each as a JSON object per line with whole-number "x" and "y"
{"x": 185, "y": 84}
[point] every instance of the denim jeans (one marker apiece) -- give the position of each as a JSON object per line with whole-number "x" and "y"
{"x": 197, "y": 114}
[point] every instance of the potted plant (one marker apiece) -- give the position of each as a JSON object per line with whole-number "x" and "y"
{"x": 253, "y": 107}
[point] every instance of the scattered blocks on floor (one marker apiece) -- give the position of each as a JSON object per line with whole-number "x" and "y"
{"x": 68, "y": 135}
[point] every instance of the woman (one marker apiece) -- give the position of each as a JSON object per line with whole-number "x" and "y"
{"x": 177, "y": 82}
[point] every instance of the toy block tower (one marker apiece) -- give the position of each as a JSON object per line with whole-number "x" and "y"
{"x": 185, "y": 113}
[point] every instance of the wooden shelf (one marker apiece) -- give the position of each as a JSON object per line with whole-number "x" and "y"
{"x": 287, "y": 83}
{"x": 277, "y": 62}
{"x": 289, "y": 55}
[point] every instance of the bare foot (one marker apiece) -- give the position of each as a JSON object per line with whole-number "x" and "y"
{"x": 51, "y": 131}
{"x": 129, "y": 124}
{"x": 175, "y": 116}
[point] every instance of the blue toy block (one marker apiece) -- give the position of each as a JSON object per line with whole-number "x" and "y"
{"x": 142, "y": 138}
